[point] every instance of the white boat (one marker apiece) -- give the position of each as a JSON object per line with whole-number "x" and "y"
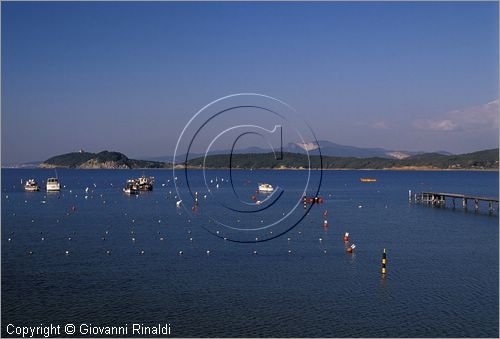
{"x": 31, "y": 186}
{"x": 53, "y": 185}
{"x": 265, "y": 188}
{"x": 131, "y": 187}
{"x": 145, "y": 183}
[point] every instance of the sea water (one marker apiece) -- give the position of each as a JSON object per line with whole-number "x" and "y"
{"x": 102, "y": 258}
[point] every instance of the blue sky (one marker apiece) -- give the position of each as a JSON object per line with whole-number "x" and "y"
{"x": 128, "y": 76}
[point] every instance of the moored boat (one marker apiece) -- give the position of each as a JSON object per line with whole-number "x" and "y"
{"x": 131, "y": 187}
{"x": 53, "y": 185}
{"x": 145, "y": 183}
{"x": 367, "y": 179}
{"x": 265, "y": 188}
{"x": 31, "y": 186}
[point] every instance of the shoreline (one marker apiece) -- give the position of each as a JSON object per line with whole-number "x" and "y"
{"x": 402, "y": 168}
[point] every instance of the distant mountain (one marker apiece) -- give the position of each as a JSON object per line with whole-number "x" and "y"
{"x": 32, "y": 164}
{"x": 482, "y": 160}
{"x": 327, "y": 149}
{"x": 104, "y": 159}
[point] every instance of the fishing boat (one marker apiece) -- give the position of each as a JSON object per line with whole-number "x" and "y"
{"x": 31, "y": 186}
{"x": 367, "y": 179}
{"x": 265, "y": 188}
{"x": 53, "y": 185}
{"x": 145, "y": 183}
{"x": 131, "y": 187}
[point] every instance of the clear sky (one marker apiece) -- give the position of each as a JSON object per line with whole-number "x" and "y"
{"x": 128, "y": 76}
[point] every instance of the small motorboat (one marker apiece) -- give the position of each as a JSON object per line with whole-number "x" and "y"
{"x": 265, "y": 188}
{"x": 131, "y": 187}
{"x": 53, "y": 185}
{"x": 145, "y": 183}
{"x": 31, "y": 186}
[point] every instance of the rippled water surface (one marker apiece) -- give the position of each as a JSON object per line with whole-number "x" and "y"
{"x": 442, "y": 275}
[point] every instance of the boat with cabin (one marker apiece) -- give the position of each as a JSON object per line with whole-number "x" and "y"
{"x": 31, "y": 186}
{"x": 131, "y": 187}
{"x": 145, "y": 183}
{"x": 265, "y": 188}
{"x": 53, "y": 185}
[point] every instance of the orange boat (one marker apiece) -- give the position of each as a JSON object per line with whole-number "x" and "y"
{"x": 367, "y": 179}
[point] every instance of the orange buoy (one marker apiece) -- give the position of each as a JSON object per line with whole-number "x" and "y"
{"x": 254, "y": 197}
{"x": 325, "y": 213}
{"x": 346, "y": 236}
{"x": 351, "y": 248}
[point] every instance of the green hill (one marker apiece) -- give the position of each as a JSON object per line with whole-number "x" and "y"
{"x": 482, "y": 160}
{"x": 104, "y": 159}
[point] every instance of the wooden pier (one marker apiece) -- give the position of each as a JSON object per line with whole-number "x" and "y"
{"x": 439, "y": 199}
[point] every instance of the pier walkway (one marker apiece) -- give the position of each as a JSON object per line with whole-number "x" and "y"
{"x": 439, "y": 199}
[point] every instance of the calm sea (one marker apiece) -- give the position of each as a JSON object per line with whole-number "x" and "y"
{"x": 123, "y": 264}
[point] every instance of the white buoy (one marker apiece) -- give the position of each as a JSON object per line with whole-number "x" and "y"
{"x": 67, "y": 252}
{"x": 181, "y": 253}
{"x": 254, "y": 252}
{"x": 208, "y": 252}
